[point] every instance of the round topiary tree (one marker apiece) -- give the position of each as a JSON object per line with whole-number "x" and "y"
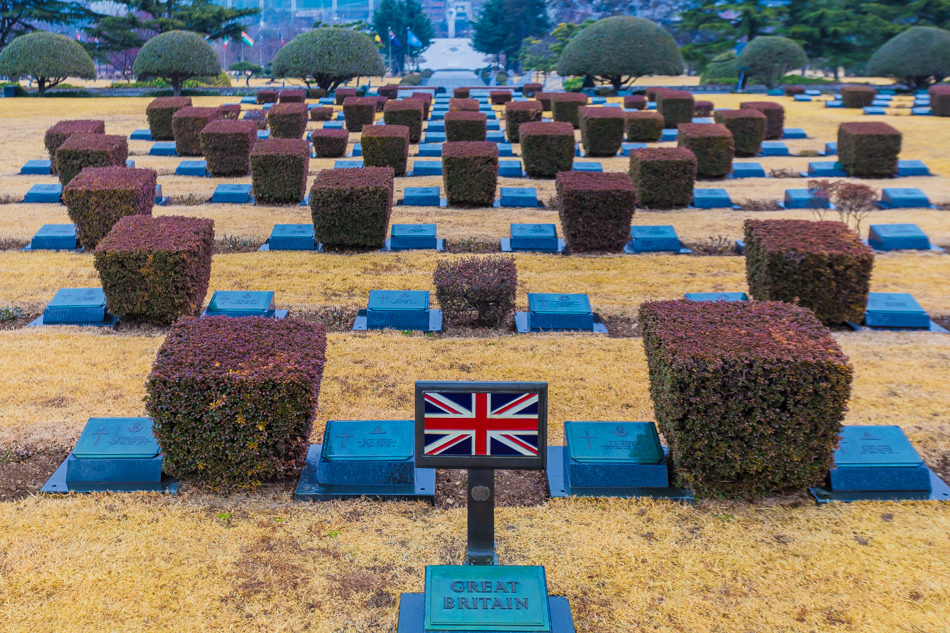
{"x": 176, "y": 56}
{"x": 721, "y": 70}
{"x": 328, "y": 57}
{"x": 768, "y": 59}
{"x": 621, "y": 49}
{"x": 916, "y": 58}
{"x": 46, "y": 58}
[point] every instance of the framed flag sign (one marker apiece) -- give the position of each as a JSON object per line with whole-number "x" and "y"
{"x": 490, "y": 425}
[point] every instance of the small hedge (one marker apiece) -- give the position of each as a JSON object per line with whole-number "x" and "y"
{"x": 465, "y": 126}
{"x": 266, "y": 96}
{"x": 232, "y": 401}
{"x": 663, "y": 177}
{"x": 100, "y": 196}
{"x": 57, "y": 134}
{"x": 518, "y": 112}
{"x": 380, "y": 102}
{"x": 426, "y": 100}
{"x": 635, "y": 102}
{"x": 259, "y": 117}
{"x": 565, "y": 107}
{"x": 747, "y": 127}
{"x": 342, "y": 94}
{"x": 187, "y": 124}
{"x": 749, "y": 395}
{"x": 230, "y": 111}
{"x": 940, "y": 100}
{"x": 529, "y": 90}
{"x": 359, "y": 111}
{"x": 676, "y": 106}
{"x": 461, "y": 93}
{"x": 822, "y": 266}
{"x": 386, "y": 146}
{"x": 774, "y": 113}
{"x": 406, "y": 112}
{"x": 463, "y": 105}
{"x": 791, "y": 91}
{"x": 293, "y": 95}
{"x": 227, "y": 146}
{"x": 156, "y": 269}
{"x": 644, "y": 126}
{"x": 481, "y": 287}
{"x": 390, "y": 91}
{"x": 160, "y": 112}
{"x": 499, "y": 97}
{"x": 712, "y": 145}
{"x": 90, "y": 150}
{"x": 602, "y": 130}
{"x": 470, "y": 172}
{"x": 287, "y": 120}
{"x": 868, "y": 149}
{"x": 351, "y": 207}
{"x": 545, "y": 99}
{"x": 857, "y": 96}
{"x": 329, "y": 143}
{"x": 321, "y": 114}
{"x": 547, "y": 148}
{"x": 595, "y": 210}
{"x": 279, "y": 168}
{"x": 653, "y": 93}
{"x": 316, "y": 93}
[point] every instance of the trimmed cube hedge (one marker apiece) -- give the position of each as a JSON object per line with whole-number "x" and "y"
{"x": 602, "y": 130}
{"x": 822, "y": 266}
{"x": 663, "y": 177}
{"x": 100, "y": 196}
{"x": 232, "y": 401}
{"x": 386, "y": 146}
{"x": 713, "y": 146}
{"x": 485, "y": 288}
{"x": 644, "y": 126}
{"x": 90, "y": 150}
{"x": 470, "y": 172}
{"x": 359, "y": 111}
{"x": 547, "y": 148}
{"x": 747, "y": 127}
{"x": 230, "y": 111}
{"x": 160, "y": 112}
{"x": 463, "y": 105}
{"x": 329, "y": 143}
{"x": 227, "y": 146}
{"x": 857, "y": 96}
{"x": 266, "y": 96}
{"x": 529, "y": 90}
{"x": 774, "y": 113}
{"x": 461, "y": 93}
{"x": 292, "y": 95}
{"x": 156, "y": 269}
{"x": 287, "y": 120}
{"x": 316, "y": 93}
{"x": 380, "y": 102}
{"x": 426, "y": 99}
{"x": 595, "y": 210}
{"x": 390, "y": 91}
{"x": 565, "y": 107}
{"x": 518, "y": 112}
{"x": 465, "y": 126}
{"x": 406, "y": 112}
{"x": 259, "y": 117}
{"x": 279, "y": 168}
{"x": 749, "y": 395}
{"x": 636, "y": 102}
{"x": 187, "y": 124}
{"x": 57, "y": 134}
{"x": 676, "y": 106}
{"x": 653, "y": 93}
{"x": 703, "y": 108}
{"x": 499, "y": 97}
{"x": 868, "y": 149}
{"x": 351, "y": 207}
{"x": 940, "y": 100}
{"x": 791, "y": 91}
{"x": 341, "y": 94}
{"x": 545, "y": 99}
{"x": 324, "y": 113}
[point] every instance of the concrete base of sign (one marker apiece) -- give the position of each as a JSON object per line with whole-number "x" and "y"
{"x": 443, "y": 202}
{"x": 412, "y": 614}
{"x": 387, "y": 247}
{"x": 559, "y": 487}
{"x": 109, "y": 321}
{"x": 361, "y": 323}
{"x": 277, "y": 315}
{"x": 933, "y": 327}
{"x": 939, "y": 491}
{"x": 933, "y": 247}
{"x": 310, "y": 489}
{"x": 630, "y": 250}
{"x": 266, "y": 247}
{"x": 506, "y": 247}
{"x": 522, "y": 326}
{"x": 57, "y": 485}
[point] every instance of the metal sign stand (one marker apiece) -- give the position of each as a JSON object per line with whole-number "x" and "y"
{"x": 481, "y": 517}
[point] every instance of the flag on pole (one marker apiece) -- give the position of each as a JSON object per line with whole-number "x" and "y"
{"x": 281, "y": 38}
{"x": 393, "y": 40}
{"x": 378, "y": 40}
{"x": 413, "y": 40}
{"x": 247, "y": 39}
{"x": 225, "y": 42}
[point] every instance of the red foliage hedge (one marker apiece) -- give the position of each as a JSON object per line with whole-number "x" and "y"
{"x": 775, "y": 114}
{"x": 791, "y": 91}
{"x": 386, "y": 146}
{"x": 187, "y": 124}
{"x": 703, "y": 108}
{"x": 426, "y": 99}
{"x": 227, "y": 147}
{"x": 160, "y": 112}
{"x": 232, "y": 400}
{"x": 100, "y": 196}
{"x": 602, "y": 130}
{"x": 406, "y": 112}
{"x": 342, "y": 94}
{"x": 869, "y": 149}
{"x": 279, "y": 168}
{"x": 643, "y": 126}
{"x": 638, "y": 102}
{"x": 529, "y": 90}
{"x": 266, "y": 96}
{"x": 747, "y": 127}
{"x": 461, "y": 93}
{"x": 390, "y": 91}
{"x": 663, "y": 177}
{"x": 470, "y": 172}
{"x": 463, "y": 105}
{"x": 324, "y": 113}
{"x": 499, "y": 97}
{"x": 653, "y": 93}
{"x": 57, "y": 134}
{"x": 156, "y": 269}
{"x": 595, "y": 210}
{"x": 547, "y": 148}
{"x": 359, "y": 111}
{"x": 545, "y": 99}
{"x": 676, "y": 106}
{"x": 713, "y": 146}
{"x": 857, "y": 96}
{"x": 822, "y": 266}
{"x": 329, "y": 143}
{"x": 940, "y": 100}
{"x": 465, "y": 126}
{"x": 519, "y": 112}
{"x": 90, "y": 150}
{"x": 749, "y": 395}
{"x": 259, "y": 117}
{"x": 287, "y": 120}
{"x": 565, "y": 107}
{"x": 481, "y": 287}
{"x": 230, "y": 110}
{"x": 292, "y": 95}
{"x": 351, "y": 207}
{"x": 380, "y": 102}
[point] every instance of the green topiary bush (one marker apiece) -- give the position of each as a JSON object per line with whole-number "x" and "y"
{"x": 822, "y": 266}
{"x": 90, "y": 150}
{"x": 46, "y": 58}
{"x": 328, "y": 57}
{"x": 156, "y": 269}
{"x": 329, "y": 143}
{"x": 232, "y": 400}
{"x": 712, "y": 145}
{"x": 279, "y": 168}
{"x": 518, "y": 112}
{"x": 480, "y": 288}
{"x": 287, "y": 120}
{"x": 160, "y": 112}
{"x": 406, "y": 112}
{"x": 663, "y": 177}
{"x": 176, "y": 56}
{"x": 749, "y": 395}
{"x": 187, "y": 124}
{"x": 565, "y": 107}
{"x": 774, "y": 114}
{"x": 602, "y": 130}
{"x": 100, "y": 196}
{"x": 595, "y": 210}
{"x": 769, "y": 58}
{"x": 470, "y": 172}
{"x": 857, "y": 96}
{"x": 359, "y": 111}
{"x": 465, "y": 126}
{"x": 547, "y": 148}
{"x": 351, "y": 207}
{"x": 916, "y": 58}
{"x": 676, "y": 106}
{"x": 722, "y": 69}
{"x": 57, "y": 134}
{"x": 868, "y": 149}
{"x": 386, "y": 146}
{"x": 644, "y": 126}
{"x": 227, "y": 145}
{"x": 747, "y": 128}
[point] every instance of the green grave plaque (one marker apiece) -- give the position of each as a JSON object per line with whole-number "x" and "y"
{"x": 117, "y": 438}
{"x": 542, "y": 303}
{"x": 78, "y": 298}
{"x": 875, "y": 447}
{"x": 486, "y": 598}
{"x": 620, "y": 442}
{"x": 239, "y": 303}
{"x": 355, "y": 440}
{"x": 398, "y": 300}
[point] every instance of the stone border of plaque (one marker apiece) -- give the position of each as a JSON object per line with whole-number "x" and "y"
{"x": 384, "y": 312}
{"x": 896, "y": 311}
{"x": 77, "y": 307}
{"x": 552, "y": 312}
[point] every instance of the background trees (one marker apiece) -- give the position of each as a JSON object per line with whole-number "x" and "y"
{"x": 768, "y": 59}
{"x": 917, "y": 57}
{"x": 46, "y": 58}
{"x": 328, "y": 57}
{"x": 176, "y": 56}
{"x": 400, "y": 15}
{"x": 503, "y": 25}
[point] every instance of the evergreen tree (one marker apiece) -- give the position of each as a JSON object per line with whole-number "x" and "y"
{"x": 503, "y": 25}
{"x": 22, "y": 16}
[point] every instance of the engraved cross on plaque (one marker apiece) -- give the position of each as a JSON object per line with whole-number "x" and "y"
{"x": 587, "y": 436}
{"x": 345, "y": 435}
{"x": 102, "y": 431}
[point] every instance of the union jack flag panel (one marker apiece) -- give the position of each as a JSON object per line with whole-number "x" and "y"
{"x": 481, "y": 424}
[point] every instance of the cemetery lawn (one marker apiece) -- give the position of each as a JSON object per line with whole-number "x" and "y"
{"x": 260, "y": 562}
